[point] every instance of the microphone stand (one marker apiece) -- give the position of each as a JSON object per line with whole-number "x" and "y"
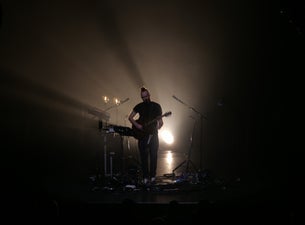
{"x": 201, "y": 135}
{"x": 188, "y": 159}
{"x": 201, "y": 128}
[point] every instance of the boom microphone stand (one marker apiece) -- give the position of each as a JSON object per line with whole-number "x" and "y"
{"x": 201, "y": 126}
{"x": 188, "y": 160}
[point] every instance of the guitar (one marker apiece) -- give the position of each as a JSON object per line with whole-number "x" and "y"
{"x": 139, "y": 134}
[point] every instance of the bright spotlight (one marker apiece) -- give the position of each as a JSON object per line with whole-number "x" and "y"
{"x": 167, "y": 136}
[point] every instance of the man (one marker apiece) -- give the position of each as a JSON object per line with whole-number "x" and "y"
{"x": 146, "y": 131}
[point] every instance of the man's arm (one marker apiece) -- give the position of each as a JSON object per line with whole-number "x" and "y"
{"x": 133, "y": 121}
{"x": 160, "y": 123}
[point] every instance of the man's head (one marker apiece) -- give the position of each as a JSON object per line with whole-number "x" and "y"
{"x": 145, "y": 95}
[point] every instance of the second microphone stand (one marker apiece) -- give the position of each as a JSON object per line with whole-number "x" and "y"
{"x": 201, "y": 134}
{"x": 188, "y": 160}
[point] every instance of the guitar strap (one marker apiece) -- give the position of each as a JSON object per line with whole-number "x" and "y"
{"x": 149, "y": 138}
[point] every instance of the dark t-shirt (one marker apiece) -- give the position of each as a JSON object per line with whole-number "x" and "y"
{"x": 148, "y": 113}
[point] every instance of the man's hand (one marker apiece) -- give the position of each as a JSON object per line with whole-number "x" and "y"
{"x": 139, "y": 126}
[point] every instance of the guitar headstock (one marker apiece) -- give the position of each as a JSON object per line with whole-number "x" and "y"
{"x": 167, "y": 113}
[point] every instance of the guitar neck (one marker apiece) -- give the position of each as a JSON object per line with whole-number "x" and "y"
{"x": 154, "y": 120}
{"x": 139, "y": 134}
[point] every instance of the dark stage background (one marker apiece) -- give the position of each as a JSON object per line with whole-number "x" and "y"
{"x": 58, "y": 58}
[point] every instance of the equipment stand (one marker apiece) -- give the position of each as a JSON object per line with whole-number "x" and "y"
{"x": 201, "y": 127}
{"x": 106, "y": 158}
{"x": 111, "y": 154}
{"x": 188, "y": 160}
{"x": 127, "y": 176}
{"x": 105, "y": 155}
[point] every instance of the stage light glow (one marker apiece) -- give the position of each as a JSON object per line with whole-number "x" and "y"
{"x": 167, "y": 136}
{"x": 169, "y": 158}
{"x": 116, "y": 101}
{"x": 106, "y": 99}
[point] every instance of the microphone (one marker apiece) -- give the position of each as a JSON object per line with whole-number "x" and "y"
{"x": 178, "y": 99}
{"x": 125, "y": 100}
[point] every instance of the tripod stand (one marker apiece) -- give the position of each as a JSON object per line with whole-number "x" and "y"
{"x": 201, "y": 126}
{"x": 188, "y": 160}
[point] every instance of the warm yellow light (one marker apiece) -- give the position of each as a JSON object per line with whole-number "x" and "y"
{"x": 116, "y": 101}
{"x": 169, "y": 157}
{"x": 106, "y": 99}
{"x": 167, "y": 136}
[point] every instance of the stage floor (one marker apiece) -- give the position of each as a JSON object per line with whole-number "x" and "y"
{"x": 180, "y": 200}
{"x": 171, "y": 200}
{"x": 186, "y": 189}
